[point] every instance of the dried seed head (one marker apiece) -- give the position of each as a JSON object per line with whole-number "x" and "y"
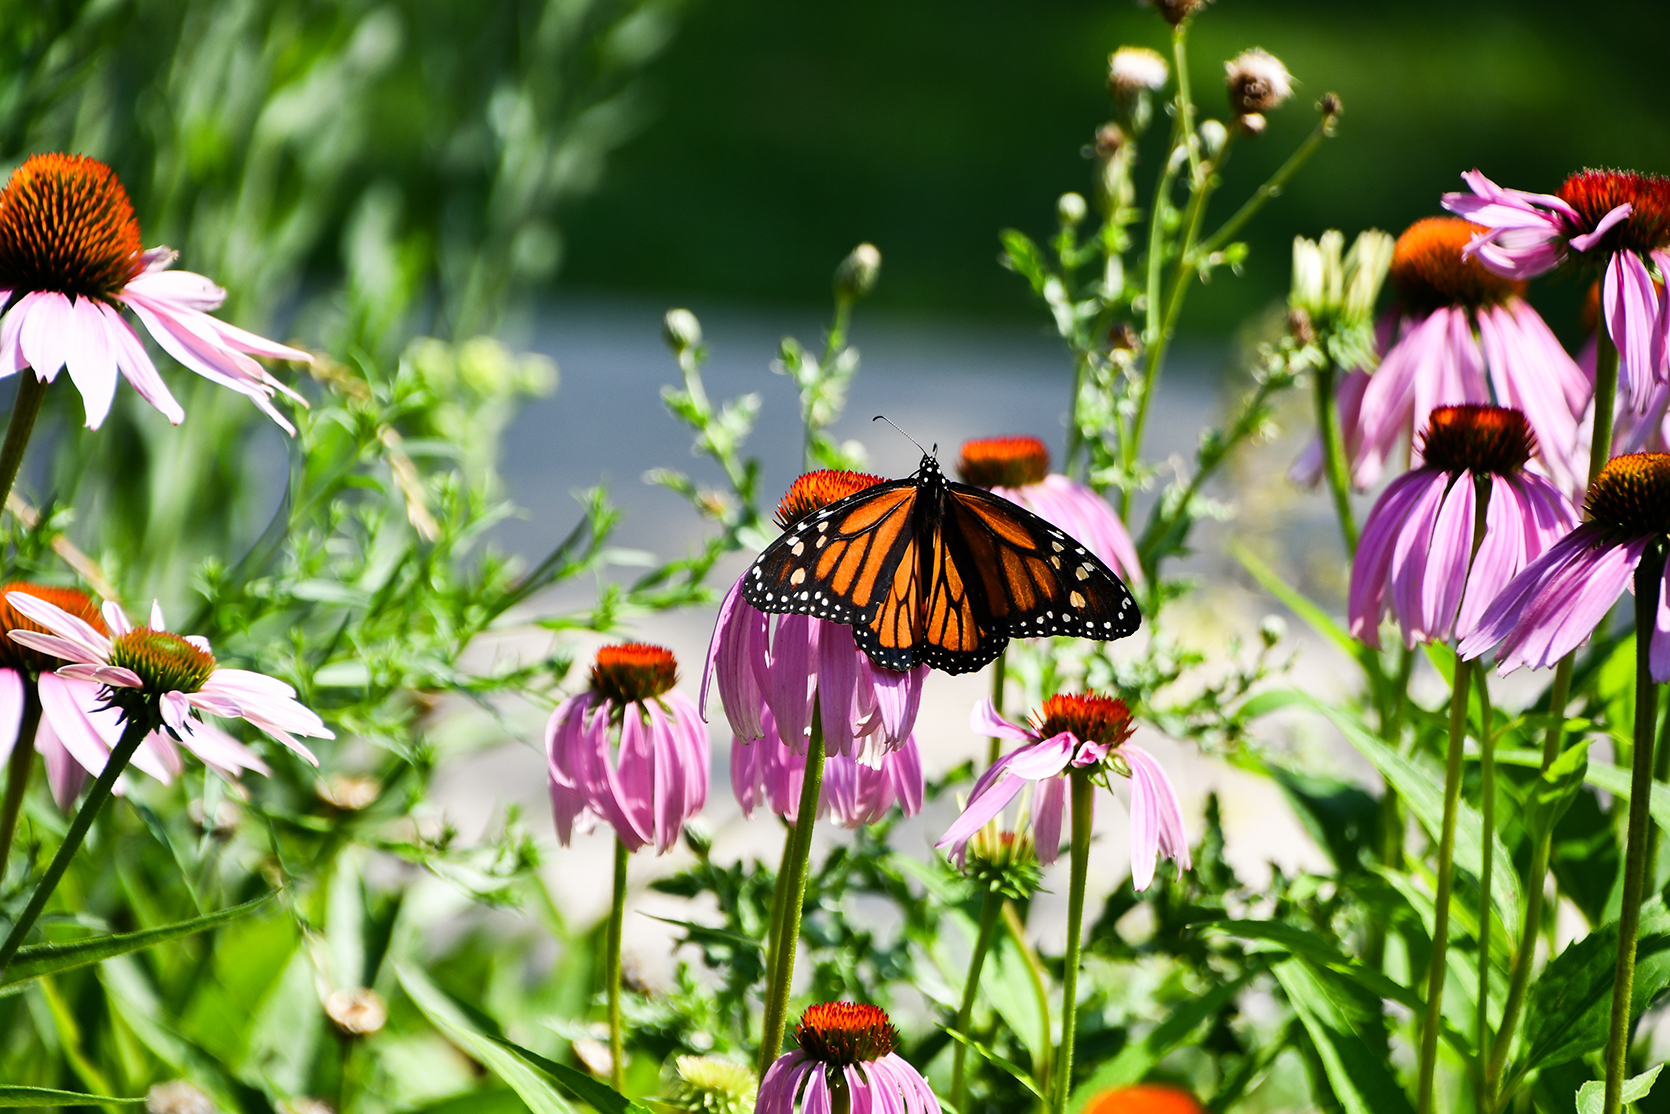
{"x": 1136, "y": 69}
{"x": 1257, "y": 82}
{"x": 358, "y": 1013}
{"x": 1176, "y": 11}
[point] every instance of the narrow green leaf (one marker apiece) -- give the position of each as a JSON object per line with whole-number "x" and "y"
{"x": 1601, "y": 775}
{"x": 1137, "y": 1059}
{"x": 1347, "y": 1026}
{"x": 11, "y": 1097}
{"x": 1299, "y": 941}
{"x": 1020, "y": 1074}
{"x": 1591, "y": 1097}
{"x": 1424, "y": 795}
{"x": 49, "y": 959}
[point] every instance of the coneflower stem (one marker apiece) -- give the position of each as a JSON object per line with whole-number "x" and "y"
{"x": 18, "y": 768}
{"x": 1487, "y": 812}
{"x": 1333, "y": 456}
{"x": 1081, "y": 789}
{"x": 31, "y": 391}
{"x": 990, "y": 909}
{"x": 794, "y": 899}
{"x": 611, "y": 968}
{"x": 1606, "y": 393}
{"x": 132, "y": 735}
{"x": 999, "y": 675}
{"x": 1648, "y": 575}
{"x": 774, "y": 934}
{"x": 1446, "y": 873}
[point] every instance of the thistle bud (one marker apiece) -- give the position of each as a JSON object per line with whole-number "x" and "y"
{"x": 1257, "y": 82}
{"x": 1176, "y": 11}
{"x": 1004, "y": 863}
{"x": 1330, "y": 105}
{"x": 1070, "y": 209}
{"x": 681, "y": 330}
{"x": 1213, "y": 136}
{"x": 1133, "y": 70}
{"x": 857, "y": 274}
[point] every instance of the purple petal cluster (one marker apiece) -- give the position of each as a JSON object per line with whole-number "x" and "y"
{"x": 765, "y": 773}
{"x": 887, "y": 1085}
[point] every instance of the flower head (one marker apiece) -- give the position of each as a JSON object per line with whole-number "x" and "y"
{"x": 1002, "y": 862}
{"x": 1144, "y": 1098}
{"x": 1133, "y": 70}
{"x": 1616, "y": 219}
{"x": 109, "y": 672}
{"x": 1462, "y": 334}
{"x": 71, "y": 258}
{"x": 629, "y": 750}
{"x": 846, "y": 1061}
{"x": 1018, "y": 468}
{"x": 1257, "y": 82}
{"x": 1074, "y": 732}
{"x": 710, "y": 1085}
{"x": 1555, "y": 603}
{"x": 786, "y": 665}
{"x": 1417, "y": 558}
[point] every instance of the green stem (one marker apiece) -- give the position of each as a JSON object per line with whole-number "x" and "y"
{"x": 31, "y": 391}
{"x": 1035, "y": 975}
{"x": 794, "y": 899}
{"x": 999, "y": 673}
{"x": 1487, "y": 811}
{"x": 1082, "y": 787}
{"x": 1390, "y": 819}
{"x": 132, "y": 735}
{"x": 990, "y": 908}
{"x": 774, "y": 933}
{"x": 1606, "y": 393}
{"x": 1185, "y": 102}
{"x": 1446, "y": 872}
{"x": 1271, "y": 188}
{"x": 611, "y": 976}
{"x": 17, "y": 771}
{"x": 1333, "y": 456}
{"x": 1648, "y": 574}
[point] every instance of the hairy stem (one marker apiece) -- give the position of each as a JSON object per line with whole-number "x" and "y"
{"x": 17, "y": 771}
{"x": 1487, "y": 811}
{"x": 132, "y": 735}
{"x": 1649, "y": 574}
{"x": 1333, "y": 456}
{"x": 990, "y": 908}
{"x": 794, "y": 899}
{"x": 1446, "y": 874}
{"x": 611, "y": 976}
{"x": 999, "y": 675}
{"x": 1081, "y": 789}
{"x": 31, "y": 392}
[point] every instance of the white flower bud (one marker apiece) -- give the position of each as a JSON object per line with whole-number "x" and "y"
{"x": 178, "y": 1096}
{"x": 681, "y": 330}
{"x": 1257, "y": 82}
{"x": 1213, "y": 136}
{"x": 1070, "y": 208}
{"x": 1133, "y": 69}
{"x": 857, "y": 274}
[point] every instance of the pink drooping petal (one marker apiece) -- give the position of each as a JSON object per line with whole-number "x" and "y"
{"x": 64, "y": 775}
{"x": 982, "y": 807}
{"x": 221, "y": 752}
{"x": 1525, "y": 232}
{"x": 1449, "y": 551}
{"x": 1161, "y": 797}
{"x": 1501, "y": 553}
{"x": 136, "y": 366}
{"x": 1524, "y": 356}
{"x": 113, "y": 675}
{"x": 1372, "y": 569}
{"x": 792, "y": 680}
{"x": 61, "y": 623}
{"x": 89, "y": 355}
{"x": 565, "y": 736}
{"x": 897, "y": 696}
{"x": 180, "y": 288}
{"x": 11, "y": 709}
{"x": 176, "y": 712}
{"x": 837, "y": 686}
{"x": 115, "y": 618}
{"x": 11, "y": 356}
{"x": 624, "y": 791}
{"x": 1049, "y": 805}
{"x": 984, "y": 720}
{"x": 782, "y": 1083}
{"x": 1658, "y": 651}
{"x": 200, "y": 348}
{"x": 738, "y": 637}
{"x": 88, "y": 731}
{"x": 1630, "y": 309}
{"x": 816, "y": 1098}
{"x": 1589, "y": 239}
{"x": 48, "y": 321}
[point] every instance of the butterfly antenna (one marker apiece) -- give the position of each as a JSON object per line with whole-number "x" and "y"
{"x": 906, "y": 436}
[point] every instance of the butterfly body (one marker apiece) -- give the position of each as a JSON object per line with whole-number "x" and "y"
{"x": 929, "y": 571}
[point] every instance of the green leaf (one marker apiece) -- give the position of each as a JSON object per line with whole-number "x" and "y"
{"x": 1554, "y": 791}
{"x": 46, "y": 1096}
{"x": 1347, "y": 1026}
{"x": 1295, "y": 940}
{"x": 527, "y": 1073}
{"x": 1297, "y": 602}
{"x": 1014, "y": 1069}
{"x": 49, "y": 959}
{"x": 1601, "y": 775}
{"x": 1591, "y": 1097}
{"x": 1570, "y": 1005}
{"x": 1424, "y": 795}
{"x": 1135, "y": 1060}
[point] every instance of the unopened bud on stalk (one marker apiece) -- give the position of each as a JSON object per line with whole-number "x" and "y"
{"x": 1272, "y": 630}
{"x": 1176, "y": 11}
{"x": 1257, "y": 82}
{"x": 1252, "y": 124}
{"x": 857, "y": 274}
{"x": 1330, "y": 105}
{"x": 681, "y": 330}
{"x": 698, "y": 837}
{"x": 1133, "y": 70}
{"x": 1070, "y": 208}
{"x": 1299, "y": 326}
{"x": 1109, "y": 139}
{"x": 1213, "y": 136}
{"x": 1366, "y": 265}
{"x": 356, "y": 1013}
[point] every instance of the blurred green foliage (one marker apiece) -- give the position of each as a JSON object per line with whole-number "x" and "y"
{"x": 785, "y": 133}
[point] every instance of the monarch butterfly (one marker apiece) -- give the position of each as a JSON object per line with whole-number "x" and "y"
{"x": 929, "y": 571}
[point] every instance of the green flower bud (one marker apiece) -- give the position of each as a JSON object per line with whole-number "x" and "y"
{"x": 857, "y": 274}
{"x": 681, "y": 330}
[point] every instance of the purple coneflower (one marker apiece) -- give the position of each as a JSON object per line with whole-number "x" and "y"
{"x": 152, "y": 673}
{"x": 845, "y": 1062}
{"x": 853, "y": 792}
{"x": 71, "y": 257}
{"x": 78, "y": 728}
{"x": 1018, "y": 468}
{"x": 648, "y": 786}
{"x": 1416, "y": 559}
{"x": 1612, "y": 218}
{"x": 1075, "y": 732}
{"x": 1436, "y": 359}
{"x": 798, "y": 662}
{"x": 1557, "y": 601}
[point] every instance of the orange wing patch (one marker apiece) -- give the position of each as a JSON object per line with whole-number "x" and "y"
{"x": 895, "y": 620}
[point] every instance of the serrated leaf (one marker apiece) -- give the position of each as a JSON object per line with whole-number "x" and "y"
{"x": 1347, "y": 1026}
{"x": 1591, "y": 1097}
{"x": 49, "y": 959}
